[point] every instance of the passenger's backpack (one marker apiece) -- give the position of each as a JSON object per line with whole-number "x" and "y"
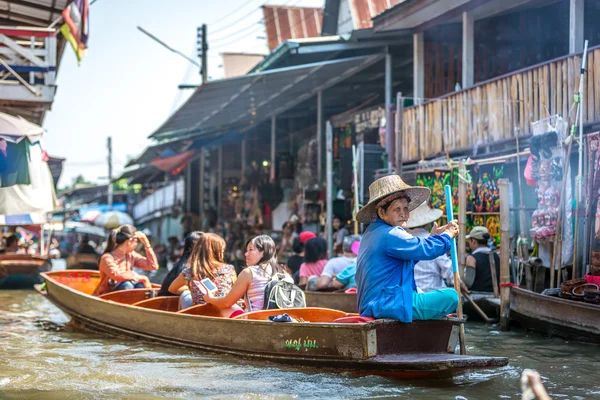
{"x": 281, "y": 292}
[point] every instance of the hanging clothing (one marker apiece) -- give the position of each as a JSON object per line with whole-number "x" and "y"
{"x": 14, "y": 168}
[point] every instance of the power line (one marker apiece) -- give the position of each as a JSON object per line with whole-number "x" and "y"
{"x": 237, "y": 20}
{"x": 253, "y": 24}
{"x": 265, "y": 25}
{"x": 231, "y": 13}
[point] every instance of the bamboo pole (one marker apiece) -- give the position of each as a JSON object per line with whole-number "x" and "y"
{"x": 356, "y": 188}
{"x": 579, "y": 179}
{"x": 459, "y": 310}
{"x": 399, "y": 135}
{"x": 462, "y": 216}
{"x": 503, "y": 185}
{"x": 524, "y": 249}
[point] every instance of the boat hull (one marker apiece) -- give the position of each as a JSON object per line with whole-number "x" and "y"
{"x": 554, "y": 316}
{"x": 21, "y": 271}
{"x": 364, "y": 348}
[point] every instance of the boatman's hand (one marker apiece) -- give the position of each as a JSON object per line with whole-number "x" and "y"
{"x": 452, "y": 229}
{"x": 437, "y": 230}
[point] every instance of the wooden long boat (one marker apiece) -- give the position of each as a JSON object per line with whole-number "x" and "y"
{"x": 554, "y": 316}
{"x": 348, "y": 302}
{"x": 323, "y": 338}
{"x": 19, "y": 271}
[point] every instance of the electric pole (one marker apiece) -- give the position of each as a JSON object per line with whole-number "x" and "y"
{"x": 203, "y": 52}
{"x": 110, "y": 186}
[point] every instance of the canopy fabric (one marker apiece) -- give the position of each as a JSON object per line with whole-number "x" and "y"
{"x": 15, "y": 128}
{"x": 37, "y": 197}
{"x": 247, "y": 100}
{"x": 23, "y": 219}
{"x": 174, "y": 164}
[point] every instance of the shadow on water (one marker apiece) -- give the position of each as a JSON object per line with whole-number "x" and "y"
{"x": 44, "y": 357}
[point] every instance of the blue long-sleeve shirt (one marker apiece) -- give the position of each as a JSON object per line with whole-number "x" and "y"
{"x": 385, "y": 269}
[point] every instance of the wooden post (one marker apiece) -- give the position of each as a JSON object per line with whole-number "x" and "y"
{"x": 399, "y": 115}
{"x": 418, "y": 67}
{"x": 462, "y": 217}
{"x": 320, "y": 137}
{"x": 468, "y": 49}
{"x": 329, "y": 194}
{"x": 504, "y": 253}
{"x": 576, "y": 26}
{"x": 524, "y": 248}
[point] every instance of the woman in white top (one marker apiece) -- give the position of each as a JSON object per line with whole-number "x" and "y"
{"x": 261, "y": 259}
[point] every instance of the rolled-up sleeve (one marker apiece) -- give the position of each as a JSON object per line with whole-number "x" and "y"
{"x": 149, "y": 263}
{"x": 403, "y": 246}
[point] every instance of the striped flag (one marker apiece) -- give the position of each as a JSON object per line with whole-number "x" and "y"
{"x": 76, "y": 26}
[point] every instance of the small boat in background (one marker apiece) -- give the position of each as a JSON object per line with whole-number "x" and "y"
{"x": 336, "y": 300}
{"x": 555, "y": 316}
{"x": 318, "y": 337}
{"x": 22, "y": 271}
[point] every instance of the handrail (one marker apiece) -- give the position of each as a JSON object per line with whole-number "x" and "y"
{"x": 500, "y": 77}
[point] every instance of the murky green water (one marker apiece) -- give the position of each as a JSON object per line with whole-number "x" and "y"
{"x": 43, "y": 358}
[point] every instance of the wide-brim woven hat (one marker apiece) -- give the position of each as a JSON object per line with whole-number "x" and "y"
{"x": 388, "y": 186}
{"x": 423, "y": 215}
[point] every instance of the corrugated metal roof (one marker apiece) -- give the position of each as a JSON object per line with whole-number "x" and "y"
{"x": 244, "y": 101}
{"x": 363, "y": 11}
{"x": 284, "y": 23}
{"x": 31, "y": 12}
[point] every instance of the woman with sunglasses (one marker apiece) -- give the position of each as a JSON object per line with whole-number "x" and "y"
{"x": 119, "y": 258}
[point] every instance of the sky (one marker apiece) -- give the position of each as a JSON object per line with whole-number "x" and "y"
{"x": 127, "y": 84}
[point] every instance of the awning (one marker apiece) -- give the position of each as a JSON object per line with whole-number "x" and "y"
{"x": 244, "y": 101}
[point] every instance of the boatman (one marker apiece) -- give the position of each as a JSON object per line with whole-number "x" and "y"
{"x": 388, "y": 253}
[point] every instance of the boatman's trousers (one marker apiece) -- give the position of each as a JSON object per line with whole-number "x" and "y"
{"x": 435, "y": 304}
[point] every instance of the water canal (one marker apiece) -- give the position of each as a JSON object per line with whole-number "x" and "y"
{"x": 44, "y": 358}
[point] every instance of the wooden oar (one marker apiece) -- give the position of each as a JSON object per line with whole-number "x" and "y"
{"x": 486, "y": 319}
{"x": 453, "y": 253}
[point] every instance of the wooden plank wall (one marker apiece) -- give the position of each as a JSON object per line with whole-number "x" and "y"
{"x": 500, "y": 109}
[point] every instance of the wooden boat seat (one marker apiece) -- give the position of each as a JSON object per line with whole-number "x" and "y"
{"x": 207, "y": 310}
{"x": 354, "y": 319}
{"x": 309, "y": 314}
{"x": 163, "y": 303}
{"x": 130, "y": 296}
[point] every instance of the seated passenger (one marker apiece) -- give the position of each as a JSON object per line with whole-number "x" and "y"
{"x": 429, "y": 274}
{"x": 385, "y": 264}
{"x": 345, "y": 279}
{"x": 338, "y": 264}
{"x": 315, "y": 259}
{"x": 12, "y": 245}
{"x": 119, "y": 258}
{"x": 261, "y": 261}
{"x": 177, "y": 269}
{"x": 207, "y": 261}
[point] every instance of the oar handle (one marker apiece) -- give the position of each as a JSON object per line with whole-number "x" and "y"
{"x": 450, "y": 215}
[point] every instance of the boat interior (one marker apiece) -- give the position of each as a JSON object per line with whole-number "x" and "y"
{"x": 86, "y": 281}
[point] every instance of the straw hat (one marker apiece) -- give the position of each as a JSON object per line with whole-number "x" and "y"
{"x": 388, "y": 186}
{"x": 423, "y": 215}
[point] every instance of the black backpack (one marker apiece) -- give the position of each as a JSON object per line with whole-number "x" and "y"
{"x": 281, "y": 292}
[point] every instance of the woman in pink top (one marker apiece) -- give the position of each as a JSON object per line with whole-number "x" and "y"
{"x": 315, "y": 258}
{"x": 261, "y": 261}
